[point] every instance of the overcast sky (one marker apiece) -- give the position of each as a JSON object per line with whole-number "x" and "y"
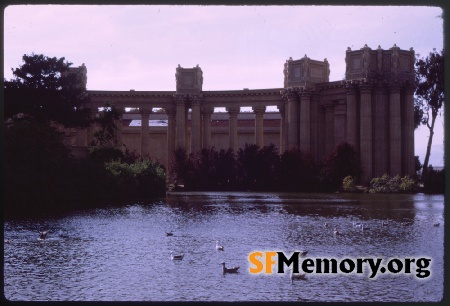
{"x": 139, "y": 47}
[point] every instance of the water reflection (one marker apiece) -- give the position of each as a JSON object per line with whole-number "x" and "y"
{"x": 123, "y": 253}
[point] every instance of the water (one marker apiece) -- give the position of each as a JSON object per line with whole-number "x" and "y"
{"x": 123, "y": 254}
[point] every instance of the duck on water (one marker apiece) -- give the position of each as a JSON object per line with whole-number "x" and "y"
{"x": 229, "y": 270}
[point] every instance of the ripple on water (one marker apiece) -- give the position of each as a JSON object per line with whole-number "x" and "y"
{"x": 123, "y": 254}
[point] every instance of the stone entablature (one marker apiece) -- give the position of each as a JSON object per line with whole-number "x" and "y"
{"x": 372, "y": 109}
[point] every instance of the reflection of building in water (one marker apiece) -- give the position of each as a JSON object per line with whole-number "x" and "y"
{"x": 372, "y": 109}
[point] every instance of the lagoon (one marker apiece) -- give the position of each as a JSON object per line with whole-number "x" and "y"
{"x": 123, "y": 253}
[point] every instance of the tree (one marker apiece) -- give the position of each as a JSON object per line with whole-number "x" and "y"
{"x": 342, "y": 162}
{"x": 429, "y": 99}
{"x": 45, "y": 89}
{"x": 297, "y": 171}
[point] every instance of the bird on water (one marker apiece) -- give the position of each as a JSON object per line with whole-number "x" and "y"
{"x": 229, "y": 270}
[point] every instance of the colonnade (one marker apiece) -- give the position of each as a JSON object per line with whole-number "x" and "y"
{"x": 380, "y": 125}
{"x": 200, "y": 124}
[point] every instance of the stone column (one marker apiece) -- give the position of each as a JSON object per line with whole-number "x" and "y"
{"x": 409, "y": 166}
{"x": 292, "y": 118}
{"x": 232, "y": 113}
{"x": 145, "y": 130}
{"x": 305, "y": 122}
{"x": 380, "y": 128}
{"x": 395, "y": 136}
{"x": 352, "y": 117}
{"x": 314, "y": 126}
{"x": 283, "y": 129}
{"x": 170, "y": 111}
{"x": 207, "y": 112}
{"x": 196, "y": 125}
{"x": 180, "y": 121}
{"x": 259, "y": 125}
{"x": 329, "y": 128}
{"x": 366, "y": 133}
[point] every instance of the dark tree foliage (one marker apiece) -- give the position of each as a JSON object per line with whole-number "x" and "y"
{"x": 210, "y": 169}
{"x": 105, "y": 146}
{"x": 429, "y": 96}
{"x": 298, "y": 171}
{"x": 257, "y": 168}
{"x": 344, "y": 161}
{"x": 434, "y": 181}
{"x": 43, "y": 89}
{"x": 179, "y": 166}
{"x": 35, "y": 163}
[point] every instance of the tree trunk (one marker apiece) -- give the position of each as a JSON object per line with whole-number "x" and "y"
{"x": 430, "y": 140}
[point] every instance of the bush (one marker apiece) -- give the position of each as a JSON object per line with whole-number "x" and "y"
{"x": 387, "y": 184}
{"x": 143, "y": 179}
{"x": 348, "y": 184}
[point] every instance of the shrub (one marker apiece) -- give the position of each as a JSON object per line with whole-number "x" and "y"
{"x": 348, "y": 184}
{"x": 144, "y": 178}
{"x": 387, "y": 184}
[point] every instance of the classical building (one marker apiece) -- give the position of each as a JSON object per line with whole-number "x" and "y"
{"x": 372, "y": 109}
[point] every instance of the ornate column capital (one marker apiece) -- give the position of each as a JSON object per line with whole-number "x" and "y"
{"x": 394, "y": 88}
{"x": 259, "y": 110}
{"x": 233, "y": 110}
{"x": 305, "y": 93}
{"x": 180, "y": 99}
{"x": 365, "y": 88}
{"x": 196, "y": 99}
{"x": 289, "y": 94}
{"x": 350, "y": 87}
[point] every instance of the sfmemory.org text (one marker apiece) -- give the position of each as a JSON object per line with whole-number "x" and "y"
{"x": 265, "y": 261}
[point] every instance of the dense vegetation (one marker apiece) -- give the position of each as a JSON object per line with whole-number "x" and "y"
{"x": 256, "y": 168}
{"x": 40, "y": 174}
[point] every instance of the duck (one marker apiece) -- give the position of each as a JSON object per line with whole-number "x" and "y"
{"x": 43, "y": 235}
{"x": 169, "y": 234}
{"x": 357, "y": 224}
{"x": 176, "y": 257}
{"x": 62, "y": 235}
{"x": 297, "y": 276}
{"x": 336, "y": 232}
{"x": 326, "y": 224}
{"x": 364, "y": 228}
{"x": 384, "y": 223}
{"x": 229, "y": 270}
{"x": 219, "y": 247}
{"x": 302, "y": 253}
